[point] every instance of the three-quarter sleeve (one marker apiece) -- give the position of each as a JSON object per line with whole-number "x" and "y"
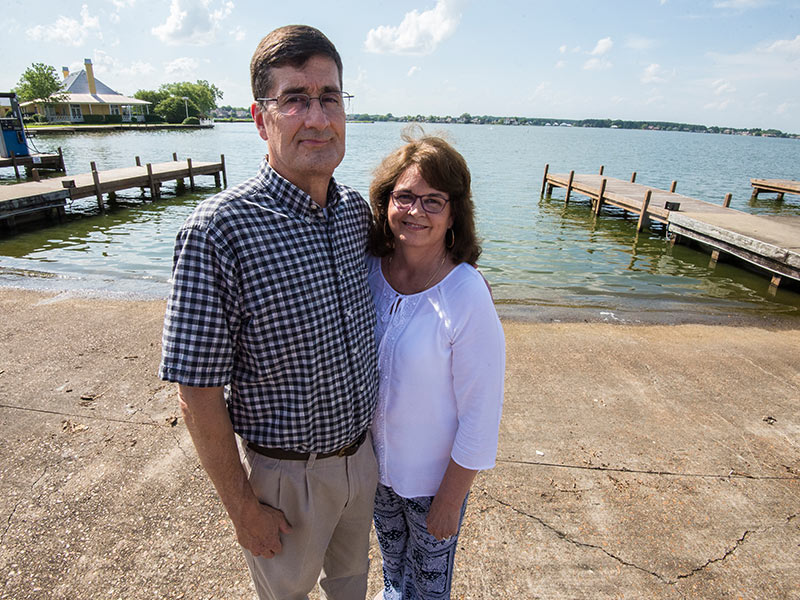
{"x": 478, "y": 369}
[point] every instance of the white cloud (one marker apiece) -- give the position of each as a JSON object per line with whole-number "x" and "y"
{"x": 418, "y": 33}
{"x": 563, "y": 49}
{"x": 720, "y": 86}
{"x": 561, "y": 64}
{"x": 193, "y": 22}
{"x": 637, "y": 42}
{"x": 413, "y": 70}
{"x": 238, "y": 34}
{"x": 597, "y": 64}
{"x": 789, "y": 47}
{"x": 67, "y": 30}
{"x": 602, "y": 47}
{"x": 183, "y": 67}
{"x": 655, "y": 74}
{"x": 722, "y": 105}
{"x": 740, "y": 4}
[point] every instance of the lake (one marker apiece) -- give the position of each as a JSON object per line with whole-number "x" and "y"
{"x": 537, "y": 252}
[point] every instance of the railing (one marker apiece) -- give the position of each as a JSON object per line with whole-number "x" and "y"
{"x": 63, "y": 119}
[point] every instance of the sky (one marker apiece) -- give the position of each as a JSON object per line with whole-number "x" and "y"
{"x": 732, "y": 63}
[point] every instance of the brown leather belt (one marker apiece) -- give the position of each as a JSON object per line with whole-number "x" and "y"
{"x": 280, "y": 454}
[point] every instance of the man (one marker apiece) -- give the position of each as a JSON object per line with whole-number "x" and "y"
{"x": 269, "y": 334}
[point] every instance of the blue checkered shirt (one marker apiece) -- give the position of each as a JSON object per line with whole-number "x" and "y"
{"x": 270, "y": 297}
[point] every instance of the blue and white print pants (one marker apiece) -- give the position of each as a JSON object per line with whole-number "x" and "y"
{"x": 416, "y": 566}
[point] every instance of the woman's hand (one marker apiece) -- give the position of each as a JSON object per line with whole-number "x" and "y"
{"x": 443, "y": 517}
{"x": 445, "y": 511}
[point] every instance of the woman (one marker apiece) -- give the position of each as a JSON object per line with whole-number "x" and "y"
{"x": 441, "y": 359}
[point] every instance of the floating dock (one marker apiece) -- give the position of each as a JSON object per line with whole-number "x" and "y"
{"x": 33, "y": 162}
{"x": 50, "y": 195}
{"x": 770, "y": 243}
{"x": 775, "y": 186}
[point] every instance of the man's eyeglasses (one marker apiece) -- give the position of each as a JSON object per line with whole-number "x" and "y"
{"x": 333, "y": 104}
{"x": 430, "y": 203}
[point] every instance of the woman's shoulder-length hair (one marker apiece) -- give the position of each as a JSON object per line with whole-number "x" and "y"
{"x": 443, "y": 168}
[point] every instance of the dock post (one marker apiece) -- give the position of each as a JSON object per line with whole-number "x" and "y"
{"x": 96, "y": 179}
{"x": 599, "y": 202}
{"x": 569, "y": 186}
{"x": 175, "y": 156}
{"x": 754, "y": 195}
{"x": 727, "y": 201}
{"x": 773, "y": 285}
{"x": 672, "y": 187}
{"x": 35, "y": 175}
{"x": 544, "y": 180}
{"x": 602, "y": 168}
{"x": 714, "y": 259}
{"x": 224, "y": 174}
{"x": 633, "y": 177}
{"x": 138, "y": 162}
{"x": 643, "y": 220}
{"x": 154, "y": 193}
{"x": 14, "y": 162}
{"x": 191, "y": 174}
{"x": 61, "y": 164}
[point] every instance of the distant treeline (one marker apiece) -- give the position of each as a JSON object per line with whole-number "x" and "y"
{"x": 603, "y": 123}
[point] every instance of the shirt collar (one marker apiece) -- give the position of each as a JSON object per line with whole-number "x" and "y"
{"x": 291, "y": 196}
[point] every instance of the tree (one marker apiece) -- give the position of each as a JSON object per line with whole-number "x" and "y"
{"x": 203, "y": 94}
{"x": 174, "y": 110}
{"x": 151, "y": 96}
{"x": 40, "y": 82}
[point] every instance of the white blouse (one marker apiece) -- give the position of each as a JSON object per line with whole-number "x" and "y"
{"x": 441, "y": 358}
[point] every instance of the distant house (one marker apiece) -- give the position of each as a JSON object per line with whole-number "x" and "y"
{"x": 88, "y": 96}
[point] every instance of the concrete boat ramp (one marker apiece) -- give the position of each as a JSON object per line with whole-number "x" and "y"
{"x": 772, "y": 244}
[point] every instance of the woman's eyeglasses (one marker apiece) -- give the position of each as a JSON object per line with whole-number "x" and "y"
{"x": 430, "y": 203}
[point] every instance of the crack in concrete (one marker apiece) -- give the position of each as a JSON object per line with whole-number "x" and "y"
{"x": 730, "y": 475}
{"x": 16, "y": 506}
{"x": 711, "y": 561}
{"x": 78, "y": 415}
{"x": 560, "y": 534}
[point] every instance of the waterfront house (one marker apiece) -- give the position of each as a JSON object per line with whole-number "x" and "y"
{"x": 87, "y": 95}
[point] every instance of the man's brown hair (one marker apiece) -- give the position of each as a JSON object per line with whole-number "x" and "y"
{"x": 291, "y": 45}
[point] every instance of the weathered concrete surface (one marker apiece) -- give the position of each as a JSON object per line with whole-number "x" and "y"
{"x": 646, "y": 461}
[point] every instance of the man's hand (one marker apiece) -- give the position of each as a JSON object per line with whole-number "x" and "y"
{"x": 258, "y": 526}
{"x": 258, "y": 529}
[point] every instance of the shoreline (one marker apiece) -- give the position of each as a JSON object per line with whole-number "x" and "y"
{"x": 656, "y": 459}
{"x": 663, "y": 312}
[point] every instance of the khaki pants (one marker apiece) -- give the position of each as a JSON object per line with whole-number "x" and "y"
{"x": 329, "y": 504}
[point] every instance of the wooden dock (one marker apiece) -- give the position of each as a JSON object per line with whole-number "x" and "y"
{"x": 775, "y": 186}
{"x": 770, "y": 243}
{"x": 33, "y": 162}
{"x": 51, "y": 195}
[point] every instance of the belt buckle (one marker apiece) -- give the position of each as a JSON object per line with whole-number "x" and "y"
{"x": 342, "y": 452}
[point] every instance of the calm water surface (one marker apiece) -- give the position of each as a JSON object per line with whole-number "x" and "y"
{"x": 536, "y": 252}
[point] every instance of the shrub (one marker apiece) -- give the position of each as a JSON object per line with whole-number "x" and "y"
{"x": 94, "y": 119}
{"x": 40, "y": 118}
{"x": 153, "y": 118}
{"x": 191, "y": 121}
{"x": 113, "y": 118}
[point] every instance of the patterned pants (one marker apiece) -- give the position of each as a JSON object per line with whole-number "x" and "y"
{"x": 416, "y": 566}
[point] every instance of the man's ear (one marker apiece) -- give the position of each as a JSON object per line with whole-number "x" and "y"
{"x": 258, "y": 118}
